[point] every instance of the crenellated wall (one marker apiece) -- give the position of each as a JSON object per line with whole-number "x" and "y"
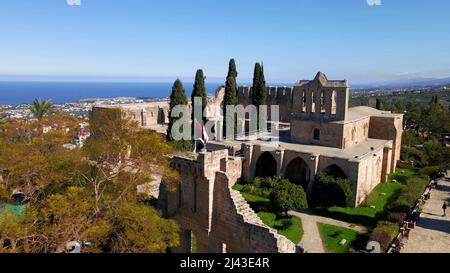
{"x": 281, "y": 96}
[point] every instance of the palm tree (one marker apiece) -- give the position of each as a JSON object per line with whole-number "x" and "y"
{"x": 2, "y": 116}
{"x": 41, "y": 108}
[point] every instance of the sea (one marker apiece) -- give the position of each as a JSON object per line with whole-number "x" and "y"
{"x": 18, "y": 92}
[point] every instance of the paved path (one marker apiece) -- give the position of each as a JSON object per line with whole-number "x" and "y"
{"x": 432, "y": 234}
{"x": 312, "y": 242}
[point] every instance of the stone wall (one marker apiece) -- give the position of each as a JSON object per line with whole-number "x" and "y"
{"x": 144, "y": 115}
{"x": 281, "y": 96}
{"x": 330, "y": 134}
{"x": 204, "y": 204}
{"x": 389, "y": 128}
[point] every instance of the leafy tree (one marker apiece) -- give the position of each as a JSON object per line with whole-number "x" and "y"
{"x": 230, "y": 97}
{"x": 178, "y": 97}
{"x": 2, "y": 116}
{"x": 331, "y": 191}
{"x": 287, "y": 196}
{"x": 41, "y": 108}
{"x": 87, "y": 195}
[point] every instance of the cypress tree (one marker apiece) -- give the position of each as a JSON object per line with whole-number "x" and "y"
{"x": 259, "y": 91}
{"x": 177, "y": 97}
{"x": 230, "y": 97}
{"x": 199, "y": 91}
{"x": 262, "y": 86}
{"x": 256, "y": 80}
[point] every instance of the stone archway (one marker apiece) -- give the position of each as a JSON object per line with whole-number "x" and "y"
{"x": 298, "y": 172}
{"x": 335, "y": 171}
{"x": 266, "y": 166}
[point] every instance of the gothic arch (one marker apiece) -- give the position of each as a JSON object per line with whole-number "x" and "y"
{"x": 335, "y": 171}
{"x": 316, "y": 134}
{"x": 298, "y": 172}
{"x": 266, "y": 166}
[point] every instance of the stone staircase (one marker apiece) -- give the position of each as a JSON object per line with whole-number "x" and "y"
{"x": 244, "y": 209}
{"x": 250, "y": 217}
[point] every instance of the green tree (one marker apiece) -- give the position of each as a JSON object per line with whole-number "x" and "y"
{"x": 287, "y": 196}
{"x": 199, "y": 91}
{"x": 331, "y": 191}
{"x": 2, "y": 116}
{"x": 41, "y": 108}
{"x": 259, "y": 91}
{"x": 230, "y": 97}
{"x": 178, "y": 97}
{"x": 86, "y": 195}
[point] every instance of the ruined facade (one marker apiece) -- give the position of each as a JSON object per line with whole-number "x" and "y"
{"x": 320, "y": 134}
{"x": 325, "y": 135}
{"x": 209, "y": 210}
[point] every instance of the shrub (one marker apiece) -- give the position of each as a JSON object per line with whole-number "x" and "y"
{"x": 329, "y": 191}
{"x": 287, "y": 196}
{"x": 414, "y": 155}
{"x": 385, "y": 233}
{"x": 271, "y": 182}
{"x": 383, "y": 238}
{"x": 433, "y": 172}
{"x": 406, "y": 198}
{"x": 396, "y": 217}
{"x": 182, "y": 145}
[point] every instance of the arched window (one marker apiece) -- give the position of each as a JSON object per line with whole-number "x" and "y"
{"x": 316, "y": 134}
{"x": 334, "y": 102}
{"x": 304, "y": 102}
{"x": 322, "y": 102}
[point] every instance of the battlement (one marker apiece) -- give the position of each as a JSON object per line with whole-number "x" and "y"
{"x": 273, "y": 93}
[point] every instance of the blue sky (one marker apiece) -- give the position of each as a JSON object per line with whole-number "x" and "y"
{"x": 161, "y": 40}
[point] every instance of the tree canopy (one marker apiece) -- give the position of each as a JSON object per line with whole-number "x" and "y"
{"x": 87, "y": 195}
{"x": 230, "y": 97}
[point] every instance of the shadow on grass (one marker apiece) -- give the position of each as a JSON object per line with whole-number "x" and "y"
{"x": 259, "y": 206}
{"x": 354, "y": 219}
{"x": 360, "y": 243}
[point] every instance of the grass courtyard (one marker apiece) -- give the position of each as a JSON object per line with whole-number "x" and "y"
{"x": 289, "y": 226}
{"x": 333, "y": 235}
{"x": 368, "y": 214}
{"x": 373, "y": 208}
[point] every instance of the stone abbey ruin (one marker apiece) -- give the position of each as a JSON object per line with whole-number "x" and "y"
{"x": 319, "y": 133}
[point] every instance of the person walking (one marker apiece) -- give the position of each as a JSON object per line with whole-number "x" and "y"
{"x": 444, "y": 208}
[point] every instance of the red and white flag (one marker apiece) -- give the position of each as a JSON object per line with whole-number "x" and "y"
{"x": 201, "y": 129}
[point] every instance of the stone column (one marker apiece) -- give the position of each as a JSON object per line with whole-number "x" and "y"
{"x": 308, "y": 102}
{"x": 318, "y": 102}
{"x": 342, "y": 104}
{"x": 328, "y": 103}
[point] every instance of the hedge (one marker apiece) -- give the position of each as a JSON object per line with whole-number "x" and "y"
{"x": 331, "y": 191}
{"x": 433, "y": 172}
{"x": 385, "y": 233}
{"x": 406, "y": 198}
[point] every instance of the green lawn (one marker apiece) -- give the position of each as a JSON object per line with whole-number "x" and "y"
{"x": 380, "y": 196}
{"x": 293, "y": 230}
{"x": 291, "y": 227}
{"x": 332, "y": 235}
